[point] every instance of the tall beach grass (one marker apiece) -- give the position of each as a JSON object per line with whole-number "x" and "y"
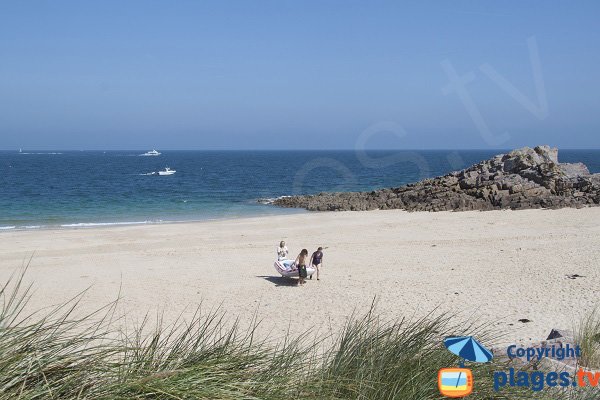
{"x": 588, "y": 338}
{"x": 56, "y": 355}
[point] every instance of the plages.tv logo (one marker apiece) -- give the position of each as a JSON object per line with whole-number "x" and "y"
{"x": 458, "y": 382}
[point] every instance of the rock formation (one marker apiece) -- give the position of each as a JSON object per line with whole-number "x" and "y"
{"x": 523, "y": 178}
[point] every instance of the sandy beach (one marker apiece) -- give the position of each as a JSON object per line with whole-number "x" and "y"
{"x": 496, "y": 266}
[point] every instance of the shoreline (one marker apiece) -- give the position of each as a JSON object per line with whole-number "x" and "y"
{"x": 496, "y": 267}
{"x": 284, "y": 212}
{"x": 100, "y": 225}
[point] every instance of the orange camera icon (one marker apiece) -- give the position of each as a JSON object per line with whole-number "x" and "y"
{"x": 455, "y": 382}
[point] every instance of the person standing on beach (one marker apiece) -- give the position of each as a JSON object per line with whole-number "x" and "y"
{"x": 301, "y": 265}
{"x": 317, "y": 260}
{"x": 282, "y": 251}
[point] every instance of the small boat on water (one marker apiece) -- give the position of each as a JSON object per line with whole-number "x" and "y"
{"x": 166, "y": 171}
{"x": 151, "y": 153}
{"x": 287, "y": 268}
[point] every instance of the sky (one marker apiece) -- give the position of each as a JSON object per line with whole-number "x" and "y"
{"x": 299, "y": 74}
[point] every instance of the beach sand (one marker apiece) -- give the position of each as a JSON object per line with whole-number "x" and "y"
{"x": 496, "y": 267}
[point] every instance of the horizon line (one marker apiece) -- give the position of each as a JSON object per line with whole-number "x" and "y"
{"x": 304, "y": 149}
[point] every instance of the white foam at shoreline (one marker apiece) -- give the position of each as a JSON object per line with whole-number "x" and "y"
{"x": 79, "y": 225}
{"x": 146, "y": 222}
{"x": 6, "y": 228}
{"x": 271, "y": 200}
{"x": 89, "y": 224}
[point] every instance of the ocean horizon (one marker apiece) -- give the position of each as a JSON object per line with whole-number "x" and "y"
{"x": 74, "y": 189}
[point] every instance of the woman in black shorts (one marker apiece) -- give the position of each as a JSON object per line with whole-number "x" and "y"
{"x": 316, "y": 260}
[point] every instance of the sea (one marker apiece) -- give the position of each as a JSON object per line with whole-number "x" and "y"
{"x": 74, "y": 189}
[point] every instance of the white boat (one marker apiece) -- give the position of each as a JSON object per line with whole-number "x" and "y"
{"x": 167, "y": 171}
{"x": 151, "y": 153}
{"x": 287, "y": 268}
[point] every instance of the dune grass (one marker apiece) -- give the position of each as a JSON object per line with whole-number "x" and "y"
{"x": 60, "y": 356}
{"x": 588, "y": 338}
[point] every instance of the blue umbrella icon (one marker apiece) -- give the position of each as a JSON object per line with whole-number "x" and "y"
{"x": 468, "y": 348}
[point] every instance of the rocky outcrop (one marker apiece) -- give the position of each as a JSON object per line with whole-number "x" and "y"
{"x": 523, "y": 178}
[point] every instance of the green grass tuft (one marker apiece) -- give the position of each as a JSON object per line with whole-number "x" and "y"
{"x": 59, "y": 356}
{"x": 588, "y": 338}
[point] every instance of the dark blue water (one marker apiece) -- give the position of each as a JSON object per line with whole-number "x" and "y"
{"x": 81, "y": 188}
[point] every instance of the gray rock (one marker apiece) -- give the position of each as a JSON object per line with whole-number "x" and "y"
{"x": 560, "y": 333}
{"x": 523, "y": 178}
{"x": 574, "y": 170}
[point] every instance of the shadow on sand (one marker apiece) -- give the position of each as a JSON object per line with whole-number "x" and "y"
{"x": 279, "y": 280}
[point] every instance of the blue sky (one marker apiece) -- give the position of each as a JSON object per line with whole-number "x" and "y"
{"x": 298, "y": 74}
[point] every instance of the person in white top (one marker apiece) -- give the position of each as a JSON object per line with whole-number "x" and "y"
{"x": 282, "y": 251}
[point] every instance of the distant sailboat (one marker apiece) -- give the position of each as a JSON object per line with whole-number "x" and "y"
{"x": 20, "y": 150}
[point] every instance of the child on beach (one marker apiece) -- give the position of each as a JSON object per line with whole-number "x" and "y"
{"x": 301, "y": 265}
{"x": 317, "y": 260}
{"x": 282, "y": 251}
